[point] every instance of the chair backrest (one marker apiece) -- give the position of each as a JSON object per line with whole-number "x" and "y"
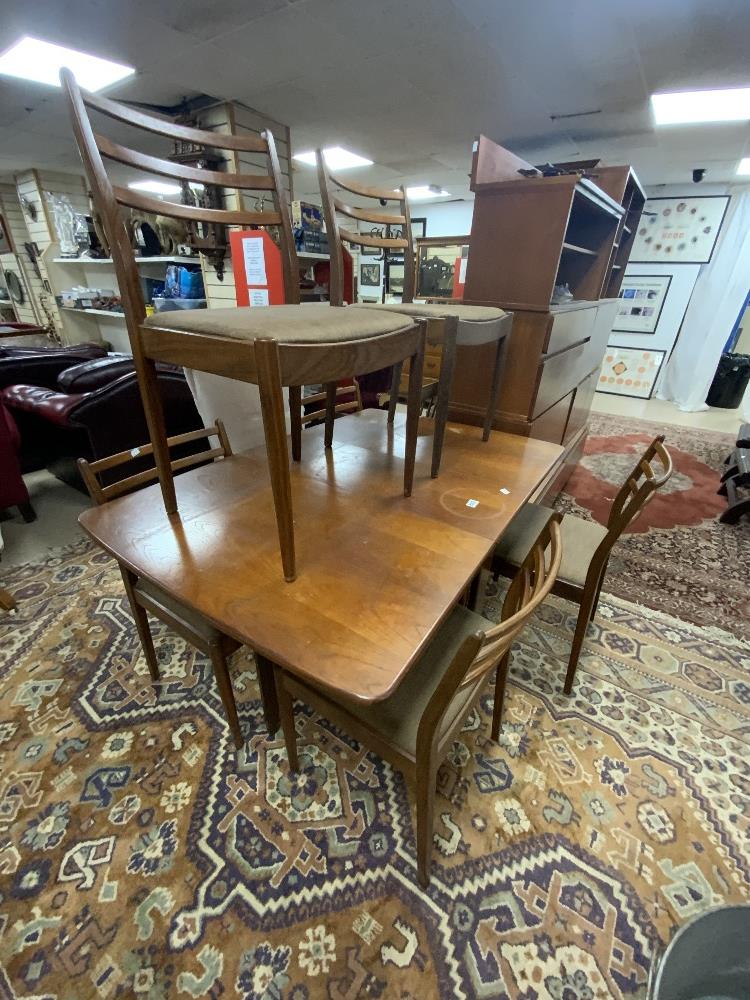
{"x": 338, "y": 235}
{"x": 480, "y": 653}
{"x": 100, "y": 494}
{"x": 345, "y": 406}
{"x": 639, "y": 488}
{"x": 109, "y": 198}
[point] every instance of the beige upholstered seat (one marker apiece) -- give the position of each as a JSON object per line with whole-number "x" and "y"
{"x": 310, "y": 323}
{"x": 397, "y": 718}
{"x": 440, "y": 310}
{"x": 580, "y": 539}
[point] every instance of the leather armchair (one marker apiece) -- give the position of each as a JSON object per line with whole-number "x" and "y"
{"x": 13, "y": 492}
{"x": 42, "y": 366}
{"x": 94, "y": 411}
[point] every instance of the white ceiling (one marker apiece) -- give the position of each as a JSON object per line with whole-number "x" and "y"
{"x": 408, "y": 83}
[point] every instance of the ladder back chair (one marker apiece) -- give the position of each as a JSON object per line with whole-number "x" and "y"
{"x": 587, "y": 545}
{"x": 337, "y": 401}
{"x": 271, "y": 347}
{"x": 450, "y": 324}
{"x": 147, "y": 598}
{"x": 414, "y": 728}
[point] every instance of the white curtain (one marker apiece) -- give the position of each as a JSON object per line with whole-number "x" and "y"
{"x": 719, "y": 293}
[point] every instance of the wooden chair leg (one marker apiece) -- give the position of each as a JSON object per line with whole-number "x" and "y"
{"x": 140, "y": 617}
{"x": 286, "y": 711}
{"x": 597, "y": 596}
{"x": 157, "y": 428}
{"x": 224, "y": 684}
{"x": 267, "y": 684}
{"x": 497, "y": 375}
{"x": 584, "y": 616}
{"x": 295, "y": 418}
{"x": 501, "y": 680}
{"x": 425, "y": 781}
{"x": 330, "y": 414}
{"x": 395, "y": 383}
{"x": 413, "y": 407}
{"x": 447, "y": 370}
{"x": 7, "y": 600}
{"x": 272, "y": 409}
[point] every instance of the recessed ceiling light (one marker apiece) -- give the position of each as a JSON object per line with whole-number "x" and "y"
{"x": 744, "y": 168}
{"x": 155, "y": 187}
{"x": 32, "y": 59}
{"x": 694, "y": 106}
{"x": 336, "y": 158}
{"x": 424, "y": 191}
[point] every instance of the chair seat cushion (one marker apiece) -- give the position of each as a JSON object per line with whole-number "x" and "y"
{"x": 397, "y": 718}
{"x": 580, "y": 539}
{"x": 191, "y": 618}
{"x": 435, "y": 310}
{"x": 309, "y": 323}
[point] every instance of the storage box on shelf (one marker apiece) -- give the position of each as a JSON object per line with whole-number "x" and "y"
{"x": 529, "y": 235}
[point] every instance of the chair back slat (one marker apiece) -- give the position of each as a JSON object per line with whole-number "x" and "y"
{"x": 162, "y": 126}
{"x": 638, "y": 489}
{"x": 348, "y": 406}
{"x": 480, "y": 653}
{"x": 220, "y": 216}
{"x": 364, "y": 216}
{"x": 100, "y": 494}
{"x": 168, "y": 168}
{"x": 112, "y": 202}
{"x": 337, "y": 235}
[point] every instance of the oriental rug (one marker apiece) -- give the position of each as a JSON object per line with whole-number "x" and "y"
{"x": 142, "y": 857}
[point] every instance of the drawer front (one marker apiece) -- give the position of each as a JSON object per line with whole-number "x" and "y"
{"x": 560, "y": 375}
{"x": 550, "y": 426}
{"x": 568, "y": 328}
{"x": 579, "y": 412}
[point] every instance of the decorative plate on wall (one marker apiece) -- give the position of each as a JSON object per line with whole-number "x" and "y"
{"x": 13, "y": 283}
{"x": 679, "y": 230}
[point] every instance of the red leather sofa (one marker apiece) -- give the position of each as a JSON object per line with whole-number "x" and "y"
{"x": 13, "y": 492}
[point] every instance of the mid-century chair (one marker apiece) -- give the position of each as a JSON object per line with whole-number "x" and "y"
{"x": 145, "y": 596}
{"x": 450, "y": 324}
{"x": 414, "y": 728}
{"x": 586, "y": 544}
{"x": 301, "y": 416}
{"x": 282, "y": 345}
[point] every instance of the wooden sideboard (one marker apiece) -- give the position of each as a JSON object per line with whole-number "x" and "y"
{"x": 529, "y": 235}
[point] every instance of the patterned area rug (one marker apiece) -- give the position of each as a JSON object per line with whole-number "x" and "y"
{"x": 140, "y": 856}
{"x": 677, "y": 557}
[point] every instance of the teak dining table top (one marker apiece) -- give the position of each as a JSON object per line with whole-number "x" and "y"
{"x": 377, "y": 572}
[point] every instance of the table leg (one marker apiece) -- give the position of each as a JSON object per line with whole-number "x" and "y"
{"x": 272, "y": 409}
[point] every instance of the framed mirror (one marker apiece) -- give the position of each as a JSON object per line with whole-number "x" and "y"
{"x": 438, "y": 259}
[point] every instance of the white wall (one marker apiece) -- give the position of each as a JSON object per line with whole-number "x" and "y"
{"x": 451, "y": 218}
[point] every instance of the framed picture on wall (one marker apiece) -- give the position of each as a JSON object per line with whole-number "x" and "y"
{"x": 6, "y": 243}
{"x": 419, "y": 227}
{"x": 369, "y": 274}
{"x": 642, "y": 299}
{"x": 679, "y": 230}
{"x": 630, "y": 371}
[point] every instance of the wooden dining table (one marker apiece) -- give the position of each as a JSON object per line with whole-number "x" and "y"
{"x": 377, "y": 572}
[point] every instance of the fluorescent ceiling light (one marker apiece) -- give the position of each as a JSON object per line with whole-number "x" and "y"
{"x": 336, "y": 158}
{"x": 744, "y": 168}
{"x": 424, "y": 191}
{"x": 155, "y": 187}
{"x": 32, "y": 59}
{"x": 696, "y": 106}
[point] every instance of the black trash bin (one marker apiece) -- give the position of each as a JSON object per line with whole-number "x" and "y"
{"x": 730, "y": 381}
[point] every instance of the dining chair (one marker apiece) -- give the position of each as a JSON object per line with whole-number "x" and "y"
{"x": 587, "y": 545}
{"x": 147, "y": 598}
{"x": 449, "y": 324}
{"x": 282, "y": 345}
{"x": 301, "y": 416}
{"x": 414, "y": 728}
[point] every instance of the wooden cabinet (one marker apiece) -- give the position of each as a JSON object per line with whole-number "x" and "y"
{"x": 529, "y": 235}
